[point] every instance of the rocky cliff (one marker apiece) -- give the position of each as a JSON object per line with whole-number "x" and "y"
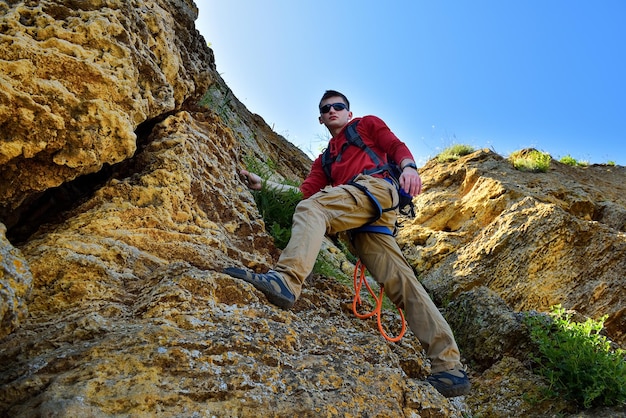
{"x": 120, "y": 204}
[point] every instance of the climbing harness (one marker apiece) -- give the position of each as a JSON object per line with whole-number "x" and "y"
{"x": 359, "y": 280}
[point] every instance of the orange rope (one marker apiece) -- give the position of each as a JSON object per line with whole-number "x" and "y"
{"x": 359, "y": 280}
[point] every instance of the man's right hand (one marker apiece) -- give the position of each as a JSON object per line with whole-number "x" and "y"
{"x": 253, "y": 181}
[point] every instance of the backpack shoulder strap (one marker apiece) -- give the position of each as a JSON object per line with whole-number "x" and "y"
{"x": 353, "y": 138}
{"x": 327, "y": 163}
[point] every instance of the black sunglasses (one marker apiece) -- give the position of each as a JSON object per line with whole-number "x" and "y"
{"x": 336, "y": 106}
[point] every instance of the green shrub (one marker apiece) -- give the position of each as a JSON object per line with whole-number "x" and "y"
{"x": 611, "y": 163}
{"x": 569, "y": 160}
{"x": 277, "y": 210}
{"x": 454, "y": 152}
{"x": 530, "y": 160}
{"x": 275, "y": 207}
{"x": 265, "y": 169}
{"x": 577, "y": 360}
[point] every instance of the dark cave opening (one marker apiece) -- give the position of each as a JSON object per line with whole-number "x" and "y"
{"x": 52, "y": 206}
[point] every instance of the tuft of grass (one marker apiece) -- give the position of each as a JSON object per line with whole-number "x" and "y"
{"x": 214, "y": 100}
{"x": 454, "y": 152}
{"x": 578, "y": 362}
{"x": 324, "y": 266}
{"x": 569, "y": 160}
{"x": 530, "y": 160}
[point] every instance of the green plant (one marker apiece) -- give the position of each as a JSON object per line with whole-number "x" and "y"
{"x": 325, "y": 267}
{"x": 345, "y": 249}
{"x": 531, "y": 160}
{"x": 265, "y": 169}
{"x": 569, "y": 160}
{"x": 454, "y": 152}
{"x": 578, "y": 362}
{"x": 611, "y": 163}
{"x": 276, "y": 207}
{"x": 215, "y": 101}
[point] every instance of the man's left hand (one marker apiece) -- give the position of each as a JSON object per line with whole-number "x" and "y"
{"x": 410, "y": 181}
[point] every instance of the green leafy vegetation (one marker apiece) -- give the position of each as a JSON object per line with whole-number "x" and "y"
{"x": 265, "y": 169}
{"x": 214, "y": 100}
{"x": 571, "y": 161}
{"x": 276, "y": 207}
{"x": 531, "y": 161}
{"x": 578, "y": 362}
{"x": 454, "y": 152}
{"x": 325, "y": 267}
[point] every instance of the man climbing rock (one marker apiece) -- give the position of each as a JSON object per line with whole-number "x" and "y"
{"x": 350, "y": 189}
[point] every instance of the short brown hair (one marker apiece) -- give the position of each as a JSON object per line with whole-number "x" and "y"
{"x": 335, "y": 93}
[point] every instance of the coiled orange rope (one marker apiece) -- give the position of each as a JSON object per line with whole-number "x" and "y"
{"x": 359, "y": 280}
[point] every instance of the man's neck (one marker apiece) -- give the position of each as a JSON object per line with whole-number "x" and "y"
{"x": 337, "y": 131}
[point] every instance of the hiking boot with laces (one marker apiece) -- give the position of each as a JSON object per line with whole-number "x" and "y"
{"x": 450, "y": 383}
{"x": 271, "y": 284}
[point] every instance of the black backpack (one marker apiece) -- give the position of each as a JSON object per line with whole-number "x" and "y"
{"x": 405, "y": 206}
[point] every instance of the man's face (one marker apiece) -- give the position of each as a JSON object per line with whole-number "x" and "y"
{"x": 334, "y": 119}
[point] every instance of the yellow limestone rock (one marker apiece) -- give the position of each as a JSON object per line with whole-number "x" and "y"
{"x": 79, "y": 77}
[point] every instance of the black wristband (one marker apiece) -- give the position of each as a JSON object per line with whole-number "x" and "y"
{"x": 412, "y": 165}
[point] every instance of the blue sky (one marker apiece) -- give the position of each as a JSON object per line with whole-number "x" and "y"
{"x": 506, "y": 75}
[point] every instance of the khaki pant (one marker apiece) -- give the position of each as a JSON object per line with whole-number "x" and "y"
{"x": 345, "y": 207}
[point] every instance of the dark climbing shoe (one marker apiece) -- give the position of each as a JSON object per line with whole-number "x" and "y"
{"x": 450, "y": 383}
{"x": 270, "y": 283}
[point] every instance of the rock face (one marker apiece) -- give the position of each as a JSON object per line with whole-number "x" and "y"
{"x": 121, "y": 201}
{"x": 536, "y": 239}
{"x": 79, "y": 77}
{"x": 15, "y": 285}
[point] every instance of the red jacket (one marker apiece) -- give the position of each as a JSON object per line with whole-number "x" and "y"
{"x": 376, "y": 135}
